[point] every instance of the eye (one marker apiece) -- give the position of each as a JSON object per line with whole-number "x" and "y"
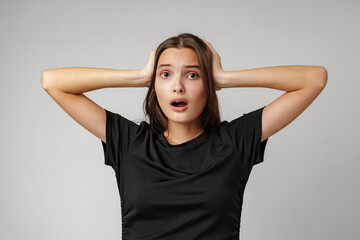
{"x": 194, "y": 74}
{"x": 161, "y": 74}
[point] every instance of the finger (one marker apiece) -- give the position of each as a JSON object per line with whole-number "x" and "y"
{"x": 210, "y": 46}
{"x": 207, "y": 43}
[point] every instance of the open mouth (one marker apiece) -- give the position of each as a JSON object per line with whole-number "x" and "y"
{"x": 179, "y": 104}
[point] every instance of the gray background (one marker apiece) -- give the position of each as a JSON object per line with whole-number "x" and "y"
{"x": 53, "y": 181}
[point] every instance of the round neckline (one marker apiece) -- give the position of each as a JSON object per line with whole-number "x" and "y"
{"x": 187, "y": 143}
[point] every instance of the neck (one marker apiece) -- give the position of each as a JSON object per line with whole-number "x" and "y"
{"x": 178, "y": 133}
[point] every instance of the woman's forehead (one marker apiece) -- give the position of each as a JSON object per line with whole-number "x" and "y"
{"x": 185, "y": 56}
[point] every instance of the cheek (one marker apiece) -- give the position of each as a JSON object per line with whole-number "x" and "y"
{"x": 200, "y": 93}
{"x": 160, "y": 90}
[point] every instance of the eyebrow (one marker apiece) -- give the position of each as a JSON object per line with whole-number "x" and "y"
{"x": 187, "y": 66}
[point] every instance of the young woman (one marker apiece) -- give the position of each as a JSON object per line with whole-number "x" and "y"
{"x": 183, "y": 174}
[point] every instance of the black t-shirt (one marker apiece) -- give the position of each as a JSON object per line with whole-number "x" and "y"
{"x": 193, "y": 190}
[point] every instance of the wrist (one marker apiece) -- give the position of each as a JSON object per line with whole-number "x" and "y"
{"x": 220, "y": 78}
{"x": 144, "y": 77}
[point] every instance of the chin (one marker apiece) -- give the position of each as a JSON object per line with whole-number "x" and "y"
{"x": 182, "y": 119}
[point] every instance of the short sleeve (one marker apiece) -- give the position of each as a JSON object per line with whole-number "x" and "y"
{"x": 246, "y": 132}
{"x": 119, "y": 134}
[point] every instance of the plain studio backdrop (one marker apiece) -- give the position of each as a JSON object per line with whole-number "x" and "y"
{"x": 53, "y": 180}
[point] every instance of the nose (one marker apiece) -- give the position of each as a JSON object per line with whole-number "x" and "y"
{"x": 178, "y": 90}
{"x": 178, "y": 86}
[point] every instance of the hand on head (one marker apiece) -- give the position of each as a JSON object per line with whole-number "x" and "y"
{"x": 147, "y": 71}
{"x": 217, "y": 68}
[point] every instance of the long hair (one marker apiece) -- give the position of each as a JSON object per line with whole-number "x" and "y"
{"x": 210, "y": 116}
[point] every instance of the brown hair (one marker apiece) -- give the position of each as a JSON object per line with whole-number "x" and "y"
{"x": 210, "y": 116}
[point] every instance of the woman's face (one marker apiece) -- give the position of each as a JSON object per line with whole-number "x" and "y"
{"x": 178, "y": 75}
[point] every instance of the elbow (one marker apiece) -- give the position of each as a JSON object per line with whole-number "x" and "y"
{"x": 321, "y": 76}
{"x": 45, "y": 79}
{"x": 318, "y": 77}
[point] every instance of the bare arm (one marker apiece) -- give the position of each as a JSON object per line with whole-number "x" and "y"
{"x": 66, "y": 86}
{"x": 286, "y": 78}
{"x": 302, "y": 84}
{"x": 78, "y": 80}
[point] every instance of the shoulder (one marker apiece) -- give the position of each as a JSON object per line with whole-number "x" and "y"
{"x": 247, "y": 124}
{"x": 118, "y": 123}
{"x": 247, "y": 118}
